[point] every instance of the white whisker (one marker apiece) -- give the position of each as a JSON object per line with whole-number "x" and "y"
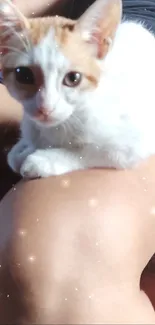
{"x": 24, "y": 40}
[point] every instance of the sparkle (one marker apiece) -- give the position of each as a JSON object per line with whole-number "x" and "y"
{"x": 13, "y": 187}
{"x": 97, "y": 243}
{"x": 0, "y": 265}
{"x": 93, "y": 202}
{"x": 76, "y": 289}
{"x": 65, "y": 183}
{"x": 86, "y": 36}
{"x": 81, "y": 157}
{"x": 66, "y": 299}
{"x": 143, "y": 178}
{"x": 31, "y": 258}
{"x": 70, "y": 142}
{"x": 37, "y": 219}
{"x": 22, "y": 232}
{"x": 5, "y": 8}
{"x": 8, "y": 296}
{"x": 48, "y": 4}
{"x": 145, "y": 190}
{"x": 152, "y": 210}
{"x": 33, "y": 13}
{"x": 91, "y": 296}
{"x": 98, "y": 261}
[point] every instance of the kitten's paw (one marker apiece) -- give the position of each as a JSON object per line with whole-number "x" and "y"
{"x": 36, "y": 165}
{"x": 17, "y": 155}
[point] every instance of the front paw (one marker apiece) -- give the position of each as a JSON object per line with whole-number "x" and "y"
{"x": 36, "y": 165}
{"x": 17, "y": 155}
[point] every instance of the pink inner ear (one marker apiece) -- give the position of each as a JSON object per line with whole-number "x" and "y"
{"x": 97, "y": 41}
{"x": 96, "y": 37}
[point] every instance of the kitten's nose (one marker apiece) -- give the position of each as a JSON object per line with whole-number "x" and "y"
{"x": 42, "y": 114}
{"x": 43, "y": 111}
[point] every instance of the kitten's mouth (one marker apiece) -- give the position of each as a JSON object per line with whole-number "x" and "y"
{"x": 43, "y": 116}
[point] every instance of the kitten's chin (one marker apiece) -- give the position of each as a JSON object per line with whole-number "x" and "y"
{"x": 47, "y": 123}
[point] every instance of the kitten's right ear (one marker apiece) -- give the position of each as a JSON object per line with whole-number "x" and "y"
{"x": 12, "y": 22}
{"x": 99, "y": 23}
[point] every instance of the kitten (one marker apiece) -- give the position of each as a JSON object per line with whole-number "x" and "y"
{"x": 87, "y": 88}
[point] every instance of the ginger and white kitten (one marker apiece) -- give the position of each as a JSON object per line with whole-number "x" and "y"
{"x": 87, "y": 88}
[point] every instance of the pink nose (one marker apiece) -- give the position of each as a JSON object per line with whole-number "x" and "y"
{"x": 43, "y": 111}
{"x": 42, "y": 114}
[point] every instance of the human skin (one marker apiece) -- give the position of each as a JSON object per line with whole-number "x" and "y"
{"x": 72, "y": 248}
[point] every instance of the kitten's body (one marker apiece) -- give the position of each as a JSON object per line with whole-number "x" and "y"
{"x": 112, "y": 124}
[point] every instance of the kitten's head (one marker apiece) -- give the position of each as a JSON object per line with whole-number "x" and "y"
{"x": 51, "y": 64}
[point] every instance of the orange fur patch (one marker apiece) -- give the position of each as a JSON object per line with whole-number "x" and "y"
{"x": 70, "y": 42}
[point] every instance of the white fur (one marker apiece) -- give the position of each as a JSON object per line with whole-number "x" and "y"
{"x": 112, "y": 126}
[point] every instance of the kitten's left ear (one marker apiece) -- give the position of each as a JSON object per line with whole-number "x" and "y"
{"x": 99, "y": 23}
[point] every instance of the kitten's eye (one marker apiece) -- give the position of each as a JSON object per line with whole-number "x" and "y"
{"x": 24, "y": 75}
{"x": 72, "y": 79}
